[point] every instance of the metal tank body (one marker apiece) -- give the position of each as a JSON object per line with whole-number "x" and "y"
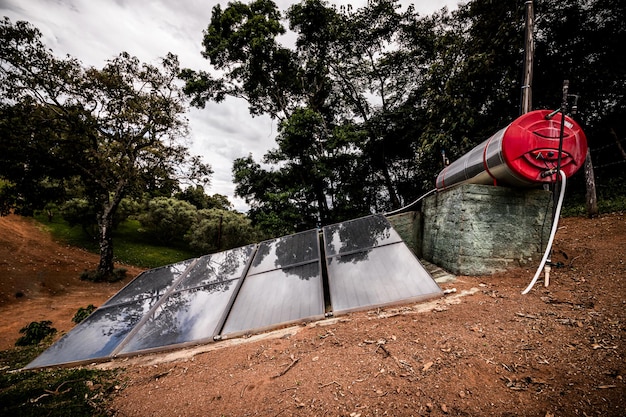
{"x": 523, "y": 154}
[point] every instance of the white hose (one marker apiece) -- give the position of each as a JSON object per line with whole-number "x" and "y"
{"x": 555, "y": 223}
{"x": 410, "y": 205}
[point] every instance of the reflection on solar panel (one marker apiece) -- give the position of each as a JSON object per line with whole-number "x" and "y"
{"x": 369, "y": 265}
{"x": 133, "y": 318}
{"x": 249, "y": 289}
{"x": 284, "y": 284}
{"x": 97, "y": 336}
{"x": 196, "y": 309}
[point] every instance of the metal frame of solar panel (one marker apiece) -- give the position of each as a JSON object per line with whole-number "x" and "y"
{"x": 369, "y": 265}
{"x": 283, "y": 286}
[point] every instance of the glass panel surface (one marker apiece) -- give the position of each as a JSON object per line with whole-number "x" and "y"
{"x": 359, "y": 234}
{"x": 151, "y": 283}
{"x": 185, "y": 316}
{"x": 218, "y": 267}
{"x": 379, "y": 276}
{"x": 97, "y": 336}
{"x": 275, "y": 297}
{"x": 285, "y": 251}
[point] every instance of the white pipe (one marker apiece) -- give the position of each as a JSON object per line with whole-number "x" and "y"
{"x": 410, "y": 205}
{"x": 555, "y": 224}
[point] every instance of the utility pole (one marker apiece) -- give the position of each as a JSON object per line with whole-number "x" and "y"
{"x": 529, "y": 48}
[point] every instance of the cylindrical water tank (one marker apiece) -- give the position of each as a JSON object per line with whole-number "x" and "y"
{"x": 522, "y": 154}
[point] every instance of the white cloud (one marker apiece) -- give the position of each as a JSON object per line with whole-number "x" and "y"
{"x": 94, "y": 31}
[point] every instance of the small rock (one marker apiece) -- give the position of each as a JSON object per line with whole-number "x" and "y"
{"x": 444, "y": 408}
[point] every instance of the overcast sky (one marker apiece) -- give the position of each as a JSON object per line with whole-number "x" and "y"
{"x": 96, "y": 30}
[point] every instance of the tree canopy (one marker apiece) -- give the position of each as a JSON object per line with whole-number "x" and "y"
{"x": 369, "y": 99}
{"x": 108, "y": 132}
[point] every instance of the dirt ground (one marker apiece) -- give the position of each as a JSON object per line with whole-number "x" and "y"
{"x": 39, "y": 279}
{"x": 484, "y": 350}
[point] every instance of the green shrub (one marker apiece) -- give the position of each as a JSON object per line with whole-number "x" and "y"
{"x": 217, "y": 230}
{"x": 168, "y": 219}
{"x": 83, "y": 313}
{"x": 35, "y": 332}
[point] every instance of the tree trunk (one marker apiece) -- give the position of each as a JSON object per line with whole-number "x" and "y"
{"x": 591, "y": 201}
{"x": 105, "y": 242}
{"x": 107, "y": 207}
{"x": 617, "y": 142}
{"x": 322, "y": 203}
{"x": 393, "y": 197}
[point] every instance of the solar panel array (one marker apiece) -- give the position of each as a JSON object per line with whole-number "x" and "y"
{"x": 250, "y": 289}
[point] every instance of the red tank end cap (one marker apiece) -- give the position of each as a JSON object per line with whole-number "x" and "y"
{"x": 530, "y": 145}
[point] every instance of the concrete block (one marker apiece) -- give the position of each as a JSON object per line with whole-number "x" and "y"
{"x": 408, "y": 225}
{"x": 480, "y": 229}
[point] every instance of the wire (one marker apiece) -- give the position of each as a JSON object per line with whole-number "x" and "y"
{"x": 401, "y": 209}
{"x": 555, "y": 223}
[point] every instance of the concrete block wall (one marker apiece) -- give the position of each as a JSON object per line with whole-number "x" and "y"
{"x": 409, "y": 225}
{"x": 480, "y": 229}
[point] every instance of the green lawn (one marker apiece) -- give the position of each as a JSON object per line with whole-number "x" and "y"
{"x": 130, "y": 245}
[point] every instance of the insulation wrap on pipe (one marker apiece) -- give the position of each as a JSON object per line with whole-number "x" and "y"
{"x": 523, "y": 154}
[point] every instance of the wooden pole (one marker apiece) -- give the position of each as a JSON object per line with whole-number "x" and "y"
{"x": 591, "y": 202}
{"x": 529, "y": 48}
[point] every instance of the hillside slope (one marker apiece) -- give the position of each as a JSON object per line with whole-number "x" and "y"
{"x": 484, "y": 350}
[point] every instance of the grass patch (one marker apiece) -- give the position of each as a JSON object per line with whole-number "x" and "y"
{"x": 134, "y": 247}
{"x": 130, "y": 245}
{"x": 605, "y": 206}
{"x": 51, "y": 392}
{"x": 65, "y": 392}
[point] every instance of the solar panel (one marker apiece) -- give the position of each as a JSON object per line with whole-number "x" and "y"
{"x": 284, "y": 285}
{"x": 151, "y": 283}
{"x": 174, "y": 304}
{"x": 197, "y": 308}
{"x": 97, "y": 336}
{"x": 218, "y": 267}
{"x": 285, "y": 251}
{"x": 250, "y": 289}
{"x": 359, "y": 235}
{"x": 184, "y": 317}
{"x": 369, "y": 265}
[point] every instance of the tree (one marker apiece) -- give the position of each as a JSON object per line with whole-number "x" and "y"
{"x": 275, "y": 206}
{"x": 167, "y": 219}
{"x": 215, "y": 230}
{"x": 114, "y": 130}
{"x": 197, "y": 196}
{"x": 241, "y": 43}
{"x": 338, "y": 97}
{"x": 583, "y": 41}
